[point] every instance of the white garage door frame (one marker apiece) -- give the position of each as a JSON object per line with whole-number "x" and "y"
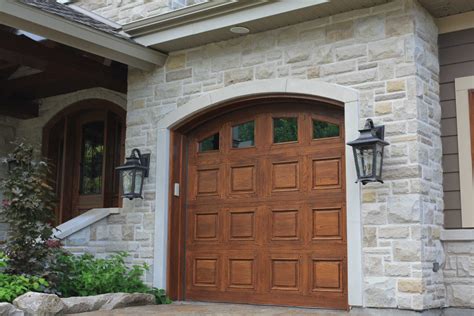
{"x": 349, "y": 97}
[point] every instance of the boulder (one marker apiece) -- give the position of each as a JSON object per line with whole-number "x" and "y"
{"x": 40, "y": 304}
{"x": 106, "y": 302}
{"x": 119, "y": 300}
{"x": 7, "y": 309}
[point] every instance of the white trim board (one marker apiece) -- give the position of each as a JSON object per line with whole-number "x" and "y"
{"x": 346, "y": 95}
{"x": 466, "y": 177}
{"x": 27, "y": 18}
{"x": 456, "y": 22}
{"x": 217, "y": 21}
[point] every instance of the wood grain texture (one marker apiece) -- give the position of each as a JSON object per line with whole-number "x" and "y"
{"x": 266, "y": 224}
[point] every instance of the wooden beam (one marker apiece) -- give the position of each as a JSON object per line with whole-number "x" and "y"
{"x": 24, "y": 51}
{"x": 45, "y": 84}
{"x": 22, "y": 109}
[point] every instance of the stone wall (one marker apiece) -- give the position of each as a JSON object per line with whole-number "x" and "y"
{"x": 389, "y": 54}
{"x": 126, "y": 11}
{"x": 8, "y": 128}
{"x": 459, "y": 273}
{"x": 132, "y": 231}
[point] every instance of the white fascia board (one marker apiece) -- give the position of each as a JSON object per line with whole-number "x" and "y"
{"x": 226, "y": 20}
{"x": 30, "y": 19}
{"x": 456, "y": 22}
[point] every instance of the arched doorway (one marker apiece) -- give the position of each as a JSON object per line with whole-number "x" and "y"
{"x": 85, "y": 142}
{"x": 169, "y": 260}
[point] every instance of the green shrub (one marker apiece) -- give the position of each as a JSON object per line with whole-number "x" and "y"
{"x": 28, "y": 208}
{"x": 85, "y": 275}
{"x": 12, "y": 285}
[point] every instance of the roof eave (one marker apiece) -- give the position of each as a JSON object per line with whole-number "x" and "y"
{"x": 53, "y": 27}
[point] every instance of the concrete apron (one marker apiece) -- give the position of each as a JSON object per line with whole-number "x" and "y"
{"x": 217, "y": 309}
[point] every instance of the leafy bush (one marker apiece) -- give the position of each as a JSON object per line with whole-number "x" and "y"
{"x": 28, "y": 208}
{"x": 85, "y": 275}
{"x": 12, "y": 285}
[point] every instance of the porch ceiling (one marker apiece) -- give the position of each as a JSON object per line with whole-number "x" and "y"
{"x": 32, "y": 67}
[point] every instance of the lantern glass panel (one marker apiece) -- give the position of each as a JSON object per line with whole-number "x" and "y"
{"x": 127, "y": 181}
{"x": 379, "y": 149}
{"x": 138, "y": 182}
{"x": 365, "y": 160}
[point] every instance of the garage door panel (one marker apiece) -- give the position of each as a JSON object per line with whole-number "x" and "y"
{"x": 285, "y": 273}
{"x": 327, "y": 223}
{"x": 206, "y": 226}
{"x": 327, "y": 275}
{"x": 267, "y": 223}
{"x": 204, "y": 272}
{"x": 241, "y": 272}
{"x": 285, "y": 224}
{"x": 241, "y": 224}
{"x": 242, "y": 179}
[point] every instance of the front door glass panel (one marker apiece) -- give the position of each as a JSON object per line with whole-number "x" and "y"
{"x": 92, "y": 157}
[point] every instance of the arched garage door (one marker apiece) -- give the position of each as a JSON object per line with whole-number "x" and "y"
{"x": 266, "y": 206}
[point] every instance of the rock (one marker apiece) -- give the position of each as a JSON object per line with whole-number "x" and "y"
{"x": 39, "y": 304}
{"x": 106, "y": 302}
{"x": 119, "y": 300}
{"x": 7, "y": 309}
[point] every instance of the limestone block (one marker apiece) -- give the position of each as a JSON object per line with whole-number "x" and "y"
{"x": 460, "y": 295}
{"x": 384, "y": 49}
{"x": 176, "y": 61}
{"x": 238, "y": 75}
{"x": 369, "y": 29}
{"x": 410, "y": 285}
{"x": 404, "y": 209}
{"x": 337, "y": 68}
{"x": 397, "y": 269}
{"x": 179, "y": 74}
{"x": 399, "y": 25}
{"x": 383, "y": 108}
{"x": 407, "y": 250}
{"x": 298, "y": 54}
{"x": 395, "y": 232}
{"x": 380, "y": 292}
{"x": 370, "y": 237}
{"x": 339, "y": 31}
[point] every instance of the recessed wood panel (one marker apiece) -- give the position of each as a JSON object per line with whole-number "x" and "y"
{"x": 242, "y": 225}
{"x": 205, "y": 226}
{"x": 208, "y": 181}
{"x": 327, "y": 275}
{"x": 242, "y": 179}
{"x": 241, "y": 273}
{"x": 285, "y": 176}
{"x": 285, "y": 274}
{"x": 327, "y": 173}
{"x": 327, "y": 223}
{"x": 205, "y": 272}
{"x": 285, "y": 224}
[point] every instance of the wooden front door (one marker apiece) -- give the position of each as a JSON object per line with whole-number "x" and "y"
{"x": 85, "y": 144}
{"x": 265, "y": 205}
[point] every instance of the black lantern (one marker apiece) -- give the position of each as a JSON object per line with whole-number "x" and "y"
{"x": 368, "y": 152}
{"x": 132, "y": 174}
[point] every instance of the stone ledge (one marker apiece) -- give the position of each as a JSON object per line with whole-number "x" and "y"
{"x": 88, "y": 218}
{"x": 457, "y": 235}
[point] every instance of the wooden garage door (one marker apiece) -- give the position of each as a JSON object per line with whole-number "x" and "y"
{"x": 266, "y": 207}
